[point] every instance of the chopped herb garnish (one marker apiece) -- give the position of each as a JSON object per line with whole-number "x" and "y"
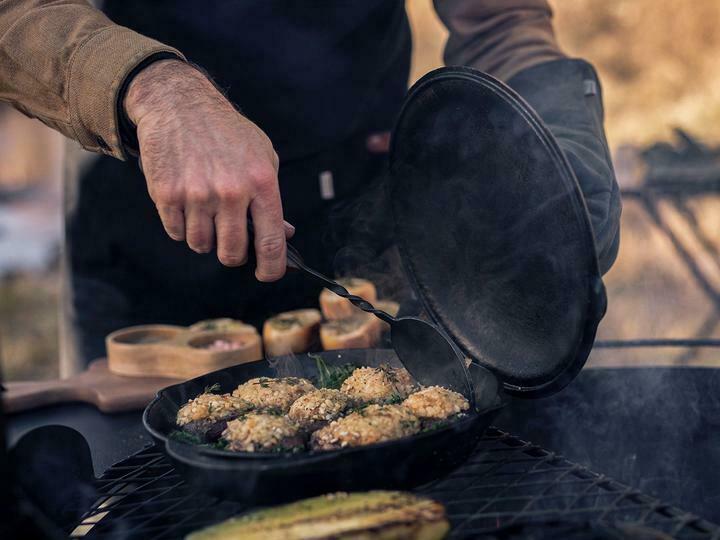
{"x": 190, "y": 438}
{"x": 285, "y": 323}
{"x": 358, "y": 409}
{"x": 433, "y": 426}
{"x": 184, "y": 436}
{"x": 212, "y": 389}
{"x": 207, "y": 325}
{"x": 220, "y": 444}
{"x": 287, "y": 449}
{"x": 346, "y": 325}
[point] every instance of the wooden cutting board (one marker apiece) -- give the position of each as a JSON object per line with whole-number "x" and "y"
{"x": 141, "y": 361}
{"x": 97, "y": 385}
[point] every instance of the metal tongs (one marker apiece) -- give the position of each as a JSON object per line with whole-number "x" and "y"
{"x": 425, "y": 351}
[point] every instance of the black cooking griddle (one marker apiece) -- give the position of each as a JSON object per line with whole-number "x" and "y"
{"x": 271, "y": 478}
{"x": 493, "y": 230}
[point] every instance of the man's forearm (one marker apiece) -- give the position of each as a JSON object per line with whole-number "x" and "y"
{"x": 207, "y": 167}
{"x": 68, "y": 75}
{"x": 155, "y": 89}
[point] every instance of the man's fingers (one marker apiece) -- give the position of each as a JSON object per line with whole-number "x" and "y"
{"x": 289, "y": 230}
{"x": 173, "y": 219}
{"x": 269, "y": 238}
{"x": 232, "y": 236}
{"x": 199, "y": 230}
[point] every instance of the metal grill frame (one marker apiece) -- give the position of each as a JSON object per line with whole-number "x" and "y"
{"x": 507, "y": 481}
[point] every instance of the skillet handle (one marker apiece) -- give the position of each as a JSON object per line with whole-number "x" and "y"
{"x": 486, "y": 387}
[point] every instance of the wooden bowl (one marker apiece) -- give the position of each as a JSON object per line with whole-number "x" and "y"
{"x": 161, "y": 350}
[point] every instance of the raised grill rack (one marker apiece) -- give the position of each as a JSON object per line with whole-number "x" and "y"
{"x": 506, "y": 482}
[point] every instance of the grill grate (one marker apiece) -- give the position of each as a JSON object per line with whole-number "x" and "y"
{"x": 507, "y": 481}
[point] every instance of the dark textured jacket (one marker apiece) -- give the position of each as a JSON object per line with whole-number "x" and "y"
{"x": 312, "y": 70}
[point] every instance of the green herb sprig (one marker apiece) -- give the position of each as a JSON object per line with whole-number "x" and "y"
{"x": 212, "y": 389}
{"x": 185, "y": 437}
{"x": 190, "y": 438}
{"x": 331, "y": 376}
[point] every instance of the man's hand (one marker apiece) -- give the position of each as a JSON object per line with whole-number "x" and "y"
{"x": 207, "y": 167}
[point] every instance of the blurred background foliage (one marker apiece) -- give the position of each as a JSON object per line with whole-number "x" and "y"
{"x": 659, "y": 62}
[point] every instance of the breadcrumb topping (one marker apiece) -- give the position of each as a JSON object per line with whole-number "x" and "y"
{"x": 258, "y": 432}
{"x": 436, "y": 403}
{"x": 378, "y": 385}
{"x": 212, "y": 407}
{"x": 318, "y": 407}
{"x": 373, "y": 424}
{"x": 275, "y": 394}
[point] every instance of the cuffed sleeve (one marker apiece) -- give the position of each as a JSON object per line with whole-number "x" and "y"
{"x": 94, "y": 83}
{"x": 64, "y": 62}
{"x": 499, "y": 37}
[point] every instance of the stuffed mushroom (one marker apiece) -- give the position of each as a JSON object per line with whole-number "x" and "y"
{"x": 205, "y": 416}
{"x": 373, "y": 424}
{"x": 316, "y": 409}
{"x": 266, "y": 393}
{"x": 436, "y": 403}
{"x": 262, "y": 432}
{"x": 378, "y": 385}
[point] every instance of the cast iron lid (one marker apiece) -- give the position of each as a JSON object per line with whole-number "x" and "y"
{"x": 493, "y": 230}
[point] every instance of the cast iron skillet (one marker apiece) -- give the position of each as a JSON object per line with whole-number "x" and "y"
{"x": 271, "y": 478}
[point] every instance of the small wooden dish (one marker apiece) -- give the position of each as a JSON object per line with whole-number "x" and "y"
{"x": 160, "y": 350}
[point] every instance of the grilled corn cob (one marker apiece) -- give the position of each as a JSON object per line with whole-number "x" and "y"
{"x": 377, "y": 515}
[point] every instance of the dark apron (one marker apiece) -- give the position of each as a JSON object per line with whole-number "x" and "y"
{"x": 318, "y": 80}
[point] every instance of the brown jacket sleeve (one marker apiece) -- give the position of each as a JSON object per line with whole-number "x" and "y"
{"x": 63, "y": 62}
{"x": 500, "y": 37}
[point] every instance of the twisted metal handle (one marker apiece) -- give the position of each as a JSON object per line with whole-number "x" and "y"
{"x": 295, "y": 261}
{"x": 361, "y": 303}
